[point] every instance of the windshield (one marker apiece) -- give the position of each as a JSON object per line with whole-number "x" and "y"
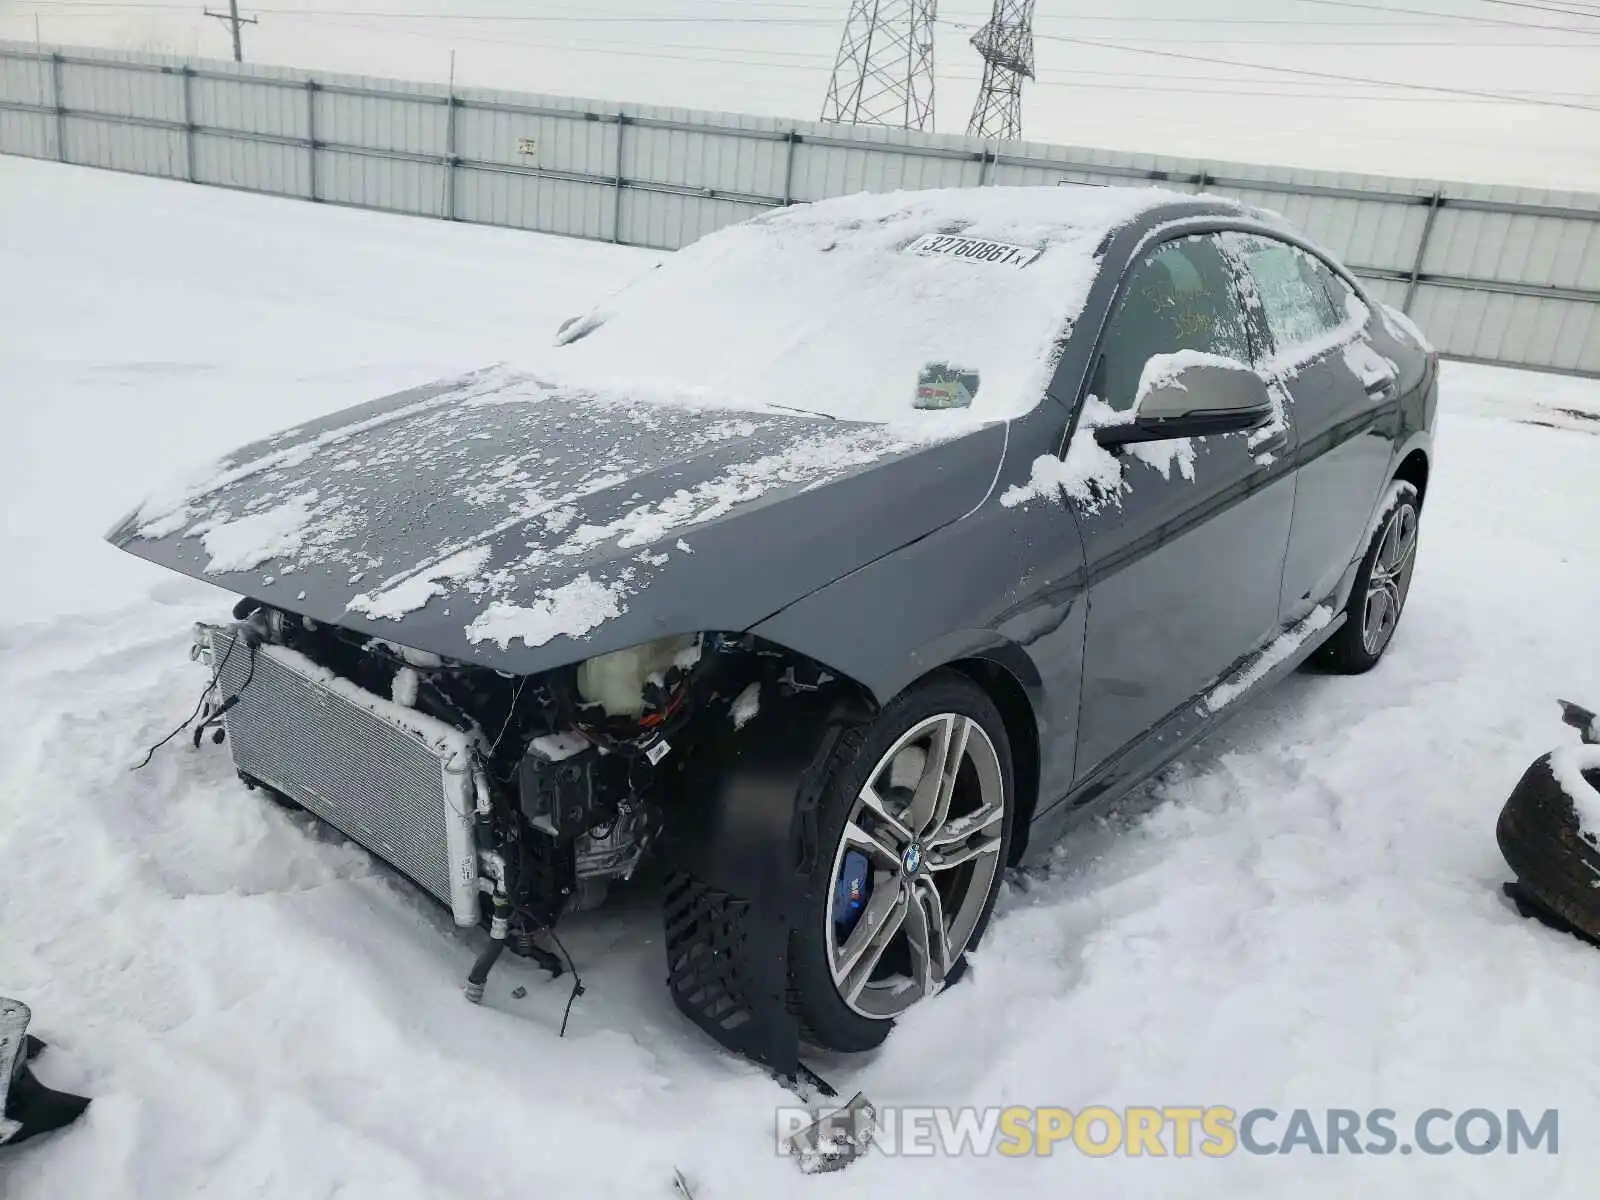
{"x": 909, "y": 307}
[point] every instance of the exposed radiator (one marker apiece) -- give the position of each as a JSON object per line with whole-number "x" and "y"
{"x": 395, "y": 781}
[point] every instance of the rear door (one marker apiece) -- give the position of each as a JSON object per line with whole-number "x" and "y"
{"x": 1331, "y": 356}
{"x": 1185, "y": 557}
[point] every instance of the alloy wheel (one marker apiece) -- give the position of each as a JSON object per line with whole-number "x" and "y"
{"x": 1390, "y": 580}
{"x": 915, "y": 865}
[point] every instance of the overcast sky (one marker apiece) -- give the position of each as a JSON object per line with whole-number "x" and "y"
{"x": 775, "y": 58}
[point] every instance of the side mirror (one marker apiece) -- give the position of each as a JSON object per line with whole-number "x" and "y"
{"x": 1191, "y": 395}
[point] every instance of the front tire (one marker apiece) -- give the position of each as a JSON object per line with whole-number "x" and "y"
{"x": 915, "y": 827}
{"x": 1382, "y": 584}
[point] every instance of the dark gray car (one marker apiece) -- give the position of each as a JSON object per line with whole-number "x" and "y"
{"x": 852, "y": 554}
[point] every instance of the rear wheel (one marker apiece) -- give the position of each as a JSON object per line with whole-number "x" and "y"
{"x": 1382, "y": 584}
{"x": 916, "y": 825}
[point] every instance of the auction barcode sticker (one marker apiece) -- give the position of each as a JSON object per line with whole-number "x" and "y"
{"x": 974, "y": 249}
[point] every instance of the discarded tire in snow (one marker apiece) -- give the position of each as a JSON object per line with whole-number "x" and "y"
{"x": 1539, "y": 832}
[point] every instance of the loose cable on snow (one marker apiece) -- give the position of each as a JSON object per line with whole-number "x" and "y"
{"x": 222, "y": 708}
{"x": 577, "y": 981}
{"x": 189, "y": 720}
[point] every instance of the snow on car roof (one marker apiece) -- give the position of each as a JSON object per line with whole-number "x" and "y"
{"x": 836, "y": 307}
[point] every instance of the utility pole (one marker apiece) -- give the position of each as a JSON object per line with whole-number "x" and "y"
{"x": 233, "y": 18}
{"x": 884, "y": 71}
{"x": 1006, "y": 46}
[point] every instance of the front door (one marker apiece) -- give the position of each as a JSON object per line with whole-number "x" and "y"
{"x": 1185, "y": 553}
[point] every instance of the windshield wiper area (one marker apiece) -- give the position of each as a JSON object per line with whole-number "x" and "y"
{"x": 807, "y": 411}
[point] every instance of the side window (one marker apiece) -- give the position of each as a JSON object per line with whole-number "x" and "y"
{"x": 1301, "y": 300}
{"x": 1337, "y": 288}
{"x": 1180, "y": 297}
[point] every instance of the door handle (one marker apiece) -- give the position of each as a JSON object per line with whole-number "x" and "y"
{"x": 1382, "y": 387}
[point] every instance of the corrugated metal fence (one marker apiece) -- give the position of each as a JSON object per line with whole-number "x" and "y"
{"x": 1498, "y": 274}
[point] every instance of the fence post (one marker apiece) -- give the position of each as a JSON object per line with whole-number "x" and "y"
{"x": 450, "y": 158}
{"x": 60, "y": 110}
{"x": 311, "y": 138}
{"x": 188, "y": 123}
{"x": 616, "y": 186}
{"x": 788, "y": 169}
{"x": 1434, "y": 202}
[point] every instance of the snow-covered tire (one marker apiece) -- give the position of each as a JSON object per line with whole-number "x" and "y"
{"x": 946, "y": 705}
{"x": 1539, "y": 836}
{"x": 1382, "y": 583}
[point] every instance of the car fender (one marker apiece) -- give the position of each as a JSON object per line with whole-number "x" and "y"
{"x": 893, "y": 621}
{"x": 1003, "y": 585}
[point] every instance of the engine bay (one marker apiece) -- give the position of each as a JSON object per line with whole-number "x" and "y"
{"x": 573, "y": 766}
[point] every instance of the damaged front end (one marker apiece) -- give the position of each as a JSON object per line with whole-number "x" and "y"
{"x": 512, "y": 800}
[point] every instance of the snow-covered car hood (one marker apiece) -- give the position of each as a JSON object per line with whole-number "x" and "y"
{"x": 500, "y": 519}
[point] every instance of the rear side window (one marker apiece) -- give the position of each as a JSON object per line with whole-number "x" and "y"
{"x": 1301, "y": 300}
{"x": 1179, "y": 297}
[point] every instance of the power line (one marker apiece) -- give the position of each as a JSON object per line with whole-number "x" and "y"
{"x": 1442, "y": 19}
{"x": 1590, "y": 14}
{"x": 540, "y": 18}
{"x": 1426, "y": 12}
{"x": 1082, "y": 80}
{"x": 1390, "y": 83}
{"x": 88, "y": 8}
{"x": 1505, "y": 97}
{"x": 1319, "y": 43}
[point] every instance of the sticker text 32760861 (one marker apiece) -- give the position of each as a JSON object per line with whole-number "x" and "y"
{"x": 974, "y": 249}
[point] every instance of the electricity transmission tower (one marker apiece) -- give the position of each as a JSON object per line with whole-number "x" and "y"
{"x": 233, "y": 18}
{"x": 1006, "y": 44}
{"x": 884, "y": 72}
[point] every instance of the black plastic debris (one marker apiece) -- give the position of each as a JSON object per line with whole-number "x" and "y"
{"x": 27, "y": 1107}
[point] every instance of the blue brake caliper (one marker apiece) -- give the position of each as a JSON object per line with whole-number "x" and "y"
{"x": 850, "y": 892}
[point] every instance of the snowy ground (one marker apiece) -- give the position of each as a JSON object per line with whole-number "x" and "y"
{"x": 1305, "y": 913}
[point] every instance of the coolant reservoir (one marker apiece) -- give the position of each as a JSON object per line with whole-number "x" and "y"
{"x": 616, "y": 681}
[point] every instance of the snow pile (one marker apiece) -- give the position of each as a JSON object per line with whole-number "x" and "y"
{"x": 571, "y": 610}
{"x": 411, "y": 594}
{"x": 403, "y": 688}
{"x": 809, "y": 460}
{"x": 1088, "y": 474}
{"x": 1279, "y": 650}
{"x": 1367, "y": 365}
{"x": 1164, "y": 370}
{"x": 245, "y": 542}
{"x": 827, "y": 307}
{"x": 745, "y": 706}
{"x": 1167, "y": 454}
{"x": 1570, "y": 765}
{"x": 1402, "y": 328}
